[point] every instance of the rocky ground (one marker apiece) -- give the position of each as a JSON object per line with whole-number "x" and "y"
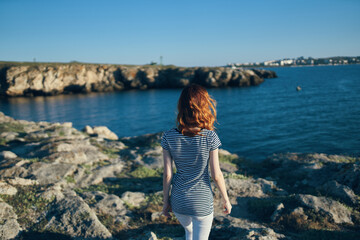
{"x": 57, "y": 182}
{"x": 53, "y": 79}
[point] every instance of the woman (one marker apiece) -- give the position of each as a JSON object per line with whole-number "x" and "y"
{"x": 193, "y": 145}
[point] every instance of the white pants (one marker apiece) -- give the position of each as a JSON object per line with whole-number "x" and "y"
{"x": 196, "y": 228}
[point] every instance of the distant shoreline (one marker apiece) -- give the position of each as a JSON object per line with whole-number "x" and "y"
{"x": 320, "y": 65}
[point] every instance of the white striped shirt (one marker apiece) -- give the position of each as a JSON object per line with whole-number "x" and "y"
{"x": 191, "y": 192}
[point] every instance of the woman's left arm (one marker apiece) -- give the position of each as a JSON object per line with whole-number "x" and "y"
{"x": 168, "y": 174}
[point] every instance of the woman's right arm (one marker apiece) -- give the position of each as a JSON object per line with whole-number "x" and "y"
{"x": 218, "y": 178}
{"x": 167, "y": 177}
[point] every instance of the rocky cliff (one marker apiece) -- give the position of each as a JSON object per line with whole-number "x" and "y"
{"x": 57, "y": 182}
{"x": 42, "y": 79}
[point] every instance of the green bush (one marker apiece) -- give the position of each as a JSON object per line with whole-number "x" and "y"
{"x": 144, "y": 172}
{"x": 230, "y": 159}
{"x": 12, "y": 127}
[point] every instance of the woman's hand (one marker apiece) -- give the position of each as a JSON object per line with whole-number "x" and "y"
{"x": 166, "y": 210}
{"x": 227, "y": 207}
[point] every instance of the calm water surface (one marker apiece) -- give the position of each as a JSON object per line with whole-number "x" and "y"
{"x": 253, "y": 122}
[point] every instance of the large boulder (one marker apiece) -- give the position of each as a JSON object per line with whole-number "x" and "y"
{"x": 133, "y": 198}
{"x": 86, "y": 177}
{"x": 250, "y": 187}
{"x": 22, "y": 181}
{"x": 7, "y": 155}
{"x": 71, "y": 215}
{"x": 228, "y": 227}
{"x": 48, "y": 173}
{"x": 7, "y": 189}
{"x": 74, "y": 151}
{"x": 340, "y": 191}
{"x": 104, "y": 132}
{"x": 151, "y": 158}
{"x": 9, "y": 227}
{"x": 338, "y": 212}
{"x": 108, "y": 204}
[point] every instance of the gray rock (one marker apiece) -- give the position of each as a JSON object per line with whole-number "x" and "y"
{"x": 155, "y": 215}
{"x": 9, "y": 227}
{"x": 74, "y": 151}
{"x": 22, "y": 181}
{"x": 145, "y": 236}
{"x": 152, "y": 158}
{"x": 74, "y": 217}
{"x": 226, "y": 153}
{"x": 53, "y": 192}
{"x": 67, "y": 124}
{"x": 85, "y": 177}
{"x": 299, "y": 212}
{"x": 116, "y": 145}
{"x": 21, "y": 163}
{"x": 338, "y": 212}
{"x": 340, "y": 191}
{"x": 133, "y": 198}
{"x": 48, "y": 173}
{"x": 314, "y": 170}
{"x": 239, "y": 228}
{"x": 349, "y": 175}
{"x": 263, "y": 234}
{"x": 276, "y": 214}
{"x": 87, "y": 129}
{"x": 228, "y": 168}
{"x": 27, "y": 149}
{"x": 14, "y": 171}
{"x": 7, "y": 155}
{"x": 250, "y": 187}
{"x": 9, "y": 136}
{"x": 132, "y": 155}
{"x": 7, "y": 189}
{"x": 151, "y": 236}
{"x": 104, "y": 132}
{"x": 109, "y": 204}
{"x": 36, "y": 136}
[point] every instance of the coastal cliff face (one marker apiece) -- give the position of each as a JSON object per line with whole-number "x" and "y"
{"x": 57, "y": 182}
{"x": 84, "y": 78}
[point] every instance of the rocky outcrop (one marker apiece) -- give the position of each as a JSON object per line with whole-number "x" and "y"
{"x": 55, "y": 79}
{"x": 338, "y": 212}
{"x": 9, "y": 227}
{"x": 337, "y": 176}
{"x": 72, "y": 216}
{"x": 61, "y": 183}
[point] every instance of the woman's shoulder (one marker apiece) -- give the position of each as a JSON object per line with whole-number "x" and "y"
{"x": 212, "y": 135}
{"x": 209, "y": 132}
{"x": 170, "y": 131}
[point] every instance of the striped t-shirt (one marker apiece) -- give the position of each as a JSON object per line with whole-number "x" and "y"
{"x": 191, "y": 192}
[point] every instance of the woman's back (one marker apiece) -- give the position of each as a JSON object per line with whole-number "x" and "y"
{"x": 191, "y": 190}
{"x": 193, "y": 148}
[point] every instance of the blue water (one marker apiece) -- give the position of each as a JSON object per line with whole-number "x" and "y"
{"x": 253, "y": 122}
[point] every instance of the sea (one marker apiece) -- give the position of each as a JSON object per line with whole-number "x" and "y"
{"x": 253, "y": 122}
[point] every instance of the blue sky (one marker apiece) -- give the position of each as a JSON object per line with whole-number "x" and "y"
{"x": 185, "y": 33}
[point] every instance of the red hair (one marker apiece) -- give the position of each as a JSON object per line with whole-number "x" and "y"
{"x": 195, "y": 109}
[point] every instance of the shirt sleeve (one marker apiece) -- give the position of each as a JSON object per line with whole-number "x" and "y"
{"x": 164, "y": 142}
{"x": 215, "y": 142}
